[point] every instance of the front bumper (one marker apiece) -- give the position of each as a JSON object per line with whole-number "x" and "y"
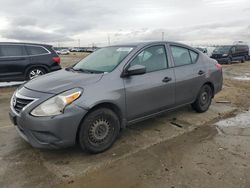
{"x": 222, "y": 59}
{"x": 48, "y": 132}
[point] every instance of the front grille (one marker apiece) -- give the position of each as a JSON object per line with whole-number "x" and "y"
{"x": 20, "y": 103}
{"x": 216, "y": 56}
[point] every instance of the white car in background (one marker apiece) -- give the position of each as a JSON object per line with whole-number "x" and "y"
{"x": 63, "y": 52}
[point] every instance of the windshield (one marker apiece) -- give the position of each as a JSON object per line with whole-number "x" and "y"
{"x": 104, "y": 59}
{"x": 222, "y": 49}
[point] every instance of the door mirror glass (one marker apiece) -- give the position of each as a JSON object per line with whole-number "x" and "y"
{"x": 136, "y": 70}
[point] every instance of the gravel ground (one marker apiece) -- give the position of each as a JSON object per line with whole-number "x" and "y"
{"x": 153, "y": 153}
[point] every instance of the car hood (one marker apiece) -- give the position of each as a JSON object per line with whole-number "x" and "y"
{"x": 217, "y": 55}
{"x": 61, "y": 80}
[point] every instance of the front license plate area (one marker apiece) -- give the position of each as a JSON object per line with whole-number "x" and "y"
{"x": 13, "y": 119}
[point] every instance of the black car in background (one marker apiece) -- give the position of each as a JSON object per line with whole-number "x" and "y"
{"x": 25, "y": 61}
{"x": 229, "y": 53}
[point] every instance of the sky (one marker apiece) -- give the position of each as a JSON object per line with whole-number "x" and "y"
{"x": 100, "y": 22}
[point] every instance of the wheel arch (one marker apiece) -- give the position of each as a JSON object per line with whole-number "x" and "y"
{"x": 211, "y": 85}
{"x": 29, "y": 67}
{"x": 108, "y": 105}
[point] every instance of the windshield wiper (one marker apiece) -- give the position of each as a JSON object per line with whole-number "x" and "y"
{"x": 69, "y": 68}
{"x": 87, "y": 71}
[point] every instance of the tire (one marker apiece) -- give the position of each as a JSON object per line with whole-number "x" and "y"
{"x": 203, "y": 100}
{"x": 35, "y": 72}
{"x": 229, "y": 61}
{"x": 243, "y": 60}
{"x": 99, "y": 130}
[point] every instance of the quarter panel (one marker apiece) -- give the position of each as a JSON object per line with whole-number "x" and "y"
{"x": 109, "y": 89}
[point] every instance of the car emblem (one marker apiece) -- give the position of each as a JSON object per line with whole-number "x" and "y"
{"x": 14, "y": 101}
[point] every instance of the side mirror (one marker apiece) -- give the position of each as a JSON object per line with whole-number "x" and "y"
{"x": 134, "y": 70}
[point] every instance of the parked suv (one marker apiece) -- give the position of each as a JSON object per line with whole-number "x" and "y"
{"x": 22, "y": 61}
{"x": 90, "y": 102}
{"x": 229, "y": 53}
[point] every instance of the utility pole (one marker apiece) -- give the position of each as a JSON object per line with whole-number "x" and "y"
{"x": 108, "y": 40}
{"x": 162, "y": 36}
{"x": 79, "y": 43}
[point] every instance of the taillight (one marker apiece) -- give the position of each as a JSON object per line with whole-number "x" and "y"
{"x": 219, "y": 66}
{"x": 56, "y": 59}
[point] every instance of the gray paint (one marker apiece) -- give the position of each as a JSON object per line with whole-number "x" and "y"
{"x": 137, "y": 97}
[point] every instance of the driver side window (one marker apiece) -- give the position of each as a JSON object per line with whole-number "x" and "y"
{"x": 233, "y": 50}
{"x": 153, "y": 58}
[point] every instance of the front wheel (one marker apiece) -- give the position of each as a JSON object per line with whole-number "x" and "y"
{"x": 99, "y": 130}
{"x": 203, "y": 100}
{"x": 229, "y": 61}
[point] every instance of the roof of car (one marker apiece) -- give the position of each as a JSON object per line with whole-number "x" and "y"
{"x": 23, "y": 43}
{"x": 135, "y": 44}
{"x": 233, "y": 45}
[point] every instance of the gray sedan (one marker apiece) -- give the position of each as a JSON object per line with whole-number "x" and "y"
{"x": 92, "y": 101}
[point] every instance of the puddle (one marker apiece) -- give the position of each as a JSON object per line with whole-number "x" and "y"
{"x": 246, "y": 76}
{"x": 242, "y": 120}
{"x": 7, "y": 84}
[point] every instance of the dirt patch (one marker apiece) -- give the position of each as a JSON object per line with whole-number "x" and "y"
{"x": 191, "y": 160}
{"x": 201, "y": 158}
{"x": 235, "y": 91}
{"x": 72, "y": 58}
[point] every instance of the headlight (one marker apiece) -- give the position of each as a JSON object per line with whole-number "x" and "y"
{"x": 56, "y": 105}
{"x": 224, "y": 55}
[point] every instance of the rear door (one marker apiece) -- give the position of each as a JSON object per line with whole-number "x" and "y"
{"x": 189, "y": 74}
{"x": 235, "y": 53}
{"x": 154, "y": 90}
{"x": 13, "y": 60}
{"x": 38, "y": 55}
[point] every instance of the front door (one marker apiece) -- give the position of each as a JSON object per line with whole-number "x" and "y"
{"x": 13, "y": 60}
{"x": 154, "y": 90}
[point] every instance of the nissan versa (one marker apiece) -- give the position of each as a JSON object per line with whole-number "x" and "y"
{"x": 92, "y": 101}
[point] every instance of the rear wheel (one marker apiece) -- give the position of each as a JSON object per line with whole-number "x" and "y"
{"x": 99, "y": 130}
{"x": 203, "y": 99}
{"x": 229, "y": 60}
{"x": 35, "y": 72}
{"x": 243, "y": 60}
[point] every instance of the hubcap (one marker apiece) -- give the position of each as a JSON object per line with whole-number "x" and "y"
{"x": 204, "y": 98}
{"x": 35, "y": 73}
{"x": 99, "y": 131}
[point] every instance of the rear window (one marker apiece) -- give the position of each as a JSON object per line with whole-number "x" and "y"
{"x": 12, "y": 51}
{"x": 241, "y": 48}
{"x": 194, "y": 56}
{"x": 181, "y": 56}
{"x": 36, "y": 50}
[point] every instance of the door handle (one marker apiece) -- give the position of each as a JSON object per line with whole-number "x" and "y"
{"x": 166, "y": 79}
{"x": 201, "y": 72}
